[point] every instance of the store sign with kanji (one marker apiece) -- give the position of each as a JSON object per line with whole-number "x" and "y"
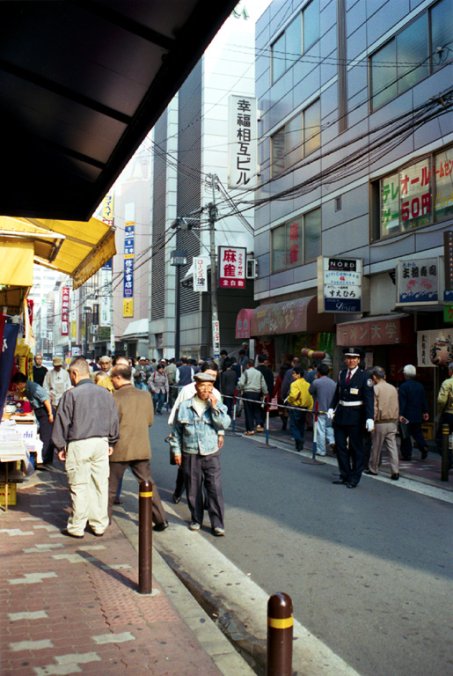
{"x": 128, "y": 270}
{"x": 418, "y": 281}
{"x": 65, "y": 294}
{"x": 242, "y": 142}
{"x": 232, "y": 267}
{"x": 341, "y": 285}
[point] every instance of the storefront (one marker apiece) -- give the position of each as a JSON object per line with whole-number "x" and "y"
{"x": 285, "y": 328}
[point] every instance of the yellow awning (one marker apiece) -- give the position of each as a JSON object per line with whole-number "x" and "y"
{"x": 16, "y": 266}
{"x": 77, "y": 248}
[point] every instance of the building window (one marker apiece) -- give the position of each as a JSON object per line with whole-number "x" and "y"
{"x": 416, "y": 195}
{"x": 297, "y": 241}
{"x": 296, "y": 39}
{"x": 417, "y": 51}
{"x": 296, "y": 139}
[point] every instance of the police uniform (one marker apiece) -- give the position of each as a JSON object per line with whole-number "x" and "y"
{"x": 353, "y": 403}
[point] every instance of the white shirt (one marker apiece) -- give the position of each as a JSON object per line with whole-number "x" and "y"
{"x": 56, "y": 383}
{"x": 187, "y": 392}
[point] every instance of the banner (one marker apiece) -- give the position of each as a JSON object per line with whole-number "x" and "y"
{"x": 10, "y": 333}
{"x": 232, "y": 267}
{"x": 128, "y": 270}
{"x": 200, "y": 274}
{"x": 435, "y": 348}
{"x": 65, "y": 292}
{"x": 242, "y": 142}
{"x": 417, "y": 281}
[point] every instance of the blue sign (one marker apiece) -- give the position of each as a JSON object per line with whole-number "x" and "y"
{"x": 128, "y": 278}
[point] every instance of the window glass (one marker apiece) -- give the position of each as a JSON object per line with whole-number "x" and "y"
{"x": 412, "y": 53}
{"x": 389, "y": 205}
{"x": 312, "y": 127}
{"x": 441, "y": 32}
{"x": 278, "y": 152}
{"x": 293, "y": 41}
{"x": 311, "y": 24}
{"x": 278, "y": 248}
{"x": 443, "y": 171}
{"x": 294, "y": 242}
{"x": 278, "y": 57}
{"x": 312, "y": 235}
{"x": 415, "y": 195}
{"x": 383, "y": 75}
{"x": 294, "y": 141}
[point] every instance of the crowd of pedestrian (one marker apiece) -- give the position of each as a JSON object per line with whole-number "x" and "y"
{"x": 96, "y": 417}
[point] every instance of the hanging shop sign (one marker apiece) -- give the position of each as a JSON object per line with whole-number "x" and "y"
{"x": 242, "y": 142}
{"x": 339, "y": 284}
{"x": 128, "y": 270}
{"x": 435, "y": 348}
{"x": 65, "y": 295}
{"x": 200, "y": 274}
{"x": 232, "y": 267}
{"x": 448, "y": 266}
{"x": 418, "y": 281}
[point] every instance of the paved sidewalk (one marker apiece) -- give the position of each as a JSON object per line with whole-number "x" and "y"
{"x": 70, "y": 606}
{"x": 426, "y": 471}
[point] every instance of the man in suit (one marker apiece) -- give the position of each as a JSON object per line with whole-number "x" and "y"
{"x": 352, "y": 410}
{"x": 133, "y": 448}
{"x": 413, "y": 412}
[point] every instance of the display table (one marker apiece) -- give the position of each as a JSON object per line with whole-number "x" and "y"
{"x": 13, "y": 449}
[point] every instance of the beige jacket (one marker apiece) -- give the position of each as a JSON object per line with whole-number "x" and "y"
{"x": 136, "y": 415}
{"x": 386, "y": 408}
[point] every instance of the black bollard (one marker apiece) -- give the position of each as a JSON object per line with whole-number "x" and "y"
{"x": 145, "y": 537}
{"x": 279, "y": 635}
{"x": 445, "y": 452}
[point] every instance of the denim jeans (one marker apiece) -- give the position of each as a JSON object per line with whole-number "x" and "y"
{"x": 324, "y": 434}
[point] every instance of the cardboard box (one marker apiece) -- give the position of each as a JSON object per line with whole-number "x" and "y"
{"x": 12, "y": 495}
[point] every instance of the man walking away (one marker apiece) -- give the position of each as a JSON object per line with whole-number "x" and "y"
{"x": 386, "y": 414}
{"x": 133, "y": 448}
{"x": 84, "y": 432}
{"x": 322, "y": 390}
{"x": 299, "y": 397}
{"x": 413, "y": 411}
{"x": 253, "y": 387}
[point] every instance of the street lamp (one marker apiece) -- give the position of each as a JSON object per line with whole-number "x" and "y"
{"x": 178, "y": 259}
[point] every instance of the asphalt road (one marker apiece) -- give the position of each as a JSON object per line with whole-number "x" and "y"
{"x": 369, "y": 570}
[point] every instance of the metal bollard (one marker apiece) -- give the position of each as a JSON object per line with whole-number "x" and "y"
{"x": 145, "y": 537}
{"x": 279, "y": 635}
{"x": 445, "y": 453}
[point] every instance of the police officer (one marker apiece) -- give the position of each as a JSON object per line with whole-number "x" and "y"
{"x": 352, "y": 408}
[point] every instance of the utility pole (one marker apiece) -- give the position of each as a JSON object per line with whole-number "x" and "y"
{"x": 212, "y": 208}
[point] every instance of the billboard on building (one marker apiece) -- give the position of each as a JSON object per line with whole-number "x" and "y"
{"x": 242, "y": 142}
{"x": 128, "y": 270}
{"x": 417, "y": 281}
{"x": 232, "y": 266}
{"x": 339, "y": 284}
{"x": 65, "y": 307}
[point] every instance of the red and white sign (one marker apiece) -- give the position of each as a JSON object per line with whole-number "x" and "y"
{"x": 65, "y": 295}
{"x": 232, "y": 267}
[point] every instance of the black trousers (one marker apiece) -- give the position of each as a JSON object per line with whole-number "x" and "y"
{"x": 350, "y": 453}
{"x": 141, "y": 470}
{"x": 252, "y": 410}
{"x": 204, "y": 471}
{"x": 45, "y": 434}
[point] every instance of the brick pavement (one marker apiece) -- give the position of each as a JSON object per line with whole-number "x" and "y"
{"x": 70, "y": 606}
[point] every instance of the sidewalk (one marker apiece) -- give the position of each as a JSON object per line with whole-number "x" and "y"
{"x": 70, "y": 606}
{"x": 426, "y": 471}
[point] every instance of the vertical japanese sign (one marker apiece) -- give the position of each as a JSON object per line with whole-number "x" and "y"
{"x": 200, "y": 274}
{"x": 242, "y": 142}
{"x": 417, "y": 281}
{"x": 65, "y": 306}
{"x": 448, "y": 266}
{"x": 232, "y": 267}
{"x": 128, "y": 270}
{"x": 216, "y": 338}
{"x": 340, "y": 285}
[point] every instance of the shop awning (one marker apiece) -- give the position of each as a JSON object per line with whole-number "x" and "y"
{"x": 292, "y": 316}
{"x": 76, "y": 248}
{"x": 381, "y": 330}
{"x": 137, "y": 329}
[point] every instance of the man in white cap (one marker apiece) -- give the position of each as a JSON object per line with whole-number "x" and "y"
{"x": 57, "y": 381}
{"x": 352, "y": 411}
{"x": 413, "y": 411}
{"x": 195, "y": 440}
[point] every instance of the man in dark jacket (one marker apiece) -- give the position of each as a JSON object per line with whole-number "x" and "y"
{"x": 352, "y": 410}
{"x": 413, "y": 411}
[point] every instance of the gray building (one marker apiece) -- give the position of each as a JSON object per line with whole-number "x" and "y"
{"x": 356, "y": 161}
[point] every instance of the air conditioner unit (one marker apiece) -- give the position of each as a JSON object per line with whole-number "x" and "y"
{"x": 252, "y": 268}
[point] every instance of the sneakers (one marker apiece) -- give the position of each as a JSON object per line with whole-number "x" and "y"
{"x": 218, "y": 532}
{"x": 194, "y": 526}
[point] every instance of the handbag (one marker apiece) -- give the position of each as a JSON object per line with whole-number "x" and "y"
{"x": 404, "y": 431}
{"x": 171, "y": 451}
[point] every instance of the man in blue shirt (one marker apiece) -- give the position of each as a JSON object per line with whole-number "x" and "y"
{"x": 39, "y": 400}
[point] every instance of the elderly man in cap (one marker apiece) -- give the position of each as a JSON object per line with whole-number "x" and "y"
{"x": 57, "y": 381}
{"x": 352, "y": 410}
{"x": 195, "y": 438}
{"x": 386, "y": 414}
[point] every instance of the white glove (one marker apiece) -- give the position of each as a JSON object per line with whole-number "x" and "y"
{"x": 330, "y": 414}
{"x": 369, "y": 425}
